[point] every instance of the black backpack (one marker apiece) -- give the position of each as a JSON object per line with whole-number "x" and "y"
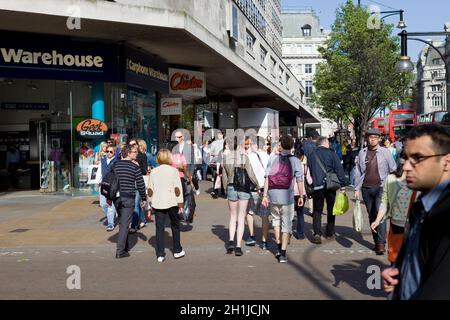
{"x": 110, "y": 187}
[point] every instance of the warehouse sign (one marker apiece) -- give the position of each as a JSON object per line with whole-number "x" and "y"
{"x": 53, "y": 58}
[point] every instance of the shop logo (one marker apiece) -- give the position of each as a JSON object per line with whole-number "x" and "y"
{"x": 54, "y": 58}
{"x": 171, "y": 106}
{"x": 92, "y": 128}
{"x": 144, "y": 70}
{"x": 182, "y": 81}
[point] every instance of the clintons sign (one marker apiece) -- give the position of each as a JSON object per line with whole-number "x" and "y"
{"x": 187, "y": 82}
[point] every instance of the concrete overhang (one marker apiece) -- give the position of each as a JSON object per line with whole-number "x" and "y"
{"x": 175, "y": 45}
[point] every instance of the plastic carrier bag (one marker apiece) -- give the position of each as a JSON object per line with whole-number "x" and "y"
{"x": 341, "y": 204}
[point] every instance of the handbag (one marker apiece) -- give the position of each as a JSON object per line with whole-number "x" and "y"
{"x": 241, "y": 180}
{"x": 331, "y": 179}
{"x": 309, "y": 188}
{"x": 395, "y": 241}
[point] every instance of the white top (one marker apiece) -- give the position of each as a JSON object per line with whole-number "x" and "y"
{"x": 259, "y": 166}
{"x": 165, "y": 190}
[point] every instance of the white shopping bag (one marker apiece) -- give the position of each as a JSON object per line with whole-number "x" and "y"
{"x": 357, "y": 216}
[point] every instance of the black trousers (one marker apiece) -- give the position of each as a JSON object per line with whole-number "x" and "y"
{"x": 318, "y": 201}
{"x": 160, "y": 219}
{"x": 372, "y": 200}
{"x": 125, "y": 208}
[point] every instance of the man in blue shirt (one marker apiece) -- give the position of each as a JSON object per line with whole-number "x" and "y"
{"x": 422, "y": 269}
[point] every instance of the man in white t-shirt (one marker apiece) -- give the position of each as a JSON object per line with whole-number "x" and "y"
{"x": 258, "y": 160}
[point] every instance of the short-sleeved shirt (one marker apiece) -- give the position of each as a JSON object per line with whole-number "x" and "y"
{"x": 284, "y": 196}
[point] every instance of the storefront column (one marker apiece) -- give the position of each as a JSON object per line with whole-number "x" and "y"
{"x": 98, "y": 101}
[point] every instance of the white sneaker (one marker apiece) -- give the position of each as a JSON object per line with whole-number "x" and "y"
{"x": 180, "y": 254}
{"x": 197, "y": 192}
{"x": 161, "y": 259}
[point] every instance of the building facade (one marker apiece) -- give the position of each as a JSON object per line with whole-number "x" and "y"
{"x": 302, "y": 36}
{"x": 431, "y": 83}
{"x": 143, "y": 68}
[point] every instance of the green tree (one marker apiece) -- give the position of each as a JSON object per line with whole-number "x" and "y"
{"x": 359, "y": 76}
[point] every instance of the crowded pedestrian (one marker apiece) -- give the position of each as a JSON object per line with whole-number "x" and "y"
{"x": 279, "y": 192}
{"x": 166, "y": 200}
{"x": 395, "y": 203}
{"x": 373, "y": 165}
{"x": 239, "y": 179}
{"x": 258, "y": 160}
{"x": 215, "y": 151}
{"x": 130, "y": 181}
{"x": 106, "y": 163}
{"x": 139, "y": 216}
{"x": 422, "y": 268}
{"x": 323, "y": 163}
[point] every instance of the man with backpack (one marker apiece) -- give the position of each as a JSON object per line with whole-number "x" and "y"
{"x": 279, "y": 190}
{"x": 119, "y": 186}
{"x": 324, "y": 164}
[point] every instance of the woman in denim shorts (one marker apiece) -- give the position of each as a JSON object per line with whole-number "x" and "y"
{"x": 237, "y": 200}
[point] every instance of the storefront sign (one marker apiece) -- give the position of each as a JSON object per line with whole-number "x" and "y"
{"x": 33, "y": 56}
{"x": 24, "y": 106}
{"x": 171, "y": 106}
{"x": 187, "y": 82}
{"x": 92, "y": 128}
{"x": 144, "y": 71}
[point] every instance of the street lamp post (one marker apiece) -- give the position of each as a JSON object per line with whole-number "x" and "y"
{"x": 404, "y": 64}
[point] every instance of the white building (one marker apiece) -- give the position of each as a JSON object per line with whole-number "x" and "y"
{"x": 302, "y": 36}
{"x": 431, "y": 80}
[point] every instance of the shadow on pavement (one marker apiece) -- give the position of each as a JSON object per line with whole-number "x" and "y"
{"x": 132, "y": 239}
{"x": 344, "y": 235}
{"x": 356, "y": 274}
{"x": 168, "y": 242}
{"x": 221, "y": 232}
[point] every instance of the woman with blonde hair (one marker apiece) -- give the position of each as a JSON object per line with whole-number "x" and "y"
{"x": 101, "y": 153}
{"x": 139, "y": 220}
{"x": 165, "y": 197}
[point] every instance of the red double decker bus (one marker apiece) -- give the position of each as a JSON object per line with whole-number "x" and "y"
{"x": 399, "y": 122}
{"x": 377, "y": 123}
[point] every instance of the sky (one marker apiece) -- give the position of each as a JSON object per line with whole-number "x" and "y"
{"x": 420, "y": 16}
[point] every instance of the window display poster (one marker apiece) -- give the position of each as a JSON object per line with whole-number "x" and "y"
{"x": 94, "y": 174}
{"x": 86, "y": 158}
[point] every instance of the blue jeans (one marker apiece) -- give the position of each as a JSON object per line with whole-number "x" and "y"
{"x": 204, "y": 171}
{"x": 372, "y": 200}
{"x": 352, "y": 176}
{"x": 110, "y": 211}
{"x": 138, "y": 213}
{"x": 300, "y": 219}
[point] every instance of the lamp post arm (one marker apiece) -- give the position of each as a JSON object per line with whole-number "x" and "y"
{"x": 391, "y": 14}
{"x": 438, "y": 51}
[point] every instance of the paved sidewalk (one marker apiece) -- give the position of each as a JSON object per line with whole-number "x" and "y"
{"x": 40, "y": 236}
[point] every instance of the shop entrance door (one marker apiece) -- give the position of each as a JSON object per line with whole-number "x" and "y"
{"x": 39, "y": 148}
